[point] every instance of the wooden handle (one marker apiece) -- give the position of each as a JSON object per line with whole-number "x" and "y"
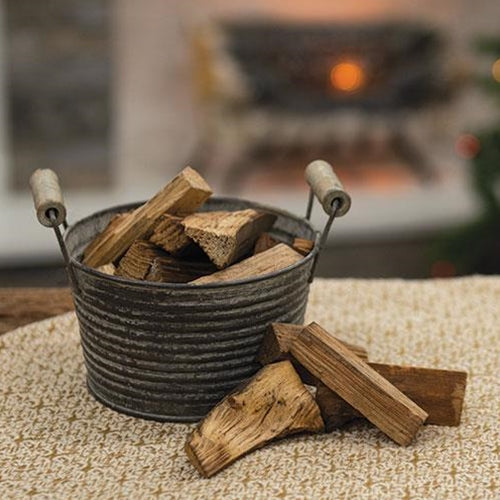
{"x": 47, "y": 196}
{"x": 327, "y": 187}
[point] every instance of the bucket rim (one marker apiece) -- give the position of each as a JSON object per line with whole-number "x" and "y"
{"x": 188, "y": 286}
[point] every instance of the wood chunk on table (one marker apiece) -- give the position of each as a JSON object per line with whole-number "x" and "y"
{"x": 183, "y": 195}
{"x": 438, "y": 392}
{"x": 276, "y": 347}
{"x": 169, "y": 234}
{"x": 271, "y": 260}
{"x": 273, "y": 404}
{"x": 227, "y": 236}
{"x": 279, "y": 338}
{"x": 357, "y": 383}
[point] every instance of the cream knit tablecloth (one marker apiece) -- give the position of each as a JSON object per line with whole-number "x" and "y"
{"x": 56, "y": 441}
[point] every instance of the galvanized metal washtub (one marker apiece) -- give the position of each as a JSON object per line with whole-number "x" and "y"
{"x": 171, "y": 351}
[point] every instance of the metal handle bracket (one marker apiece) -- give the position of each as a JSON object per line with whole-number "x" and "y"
{"x": 51, "y": 211}
{"x": 330, "y": 192}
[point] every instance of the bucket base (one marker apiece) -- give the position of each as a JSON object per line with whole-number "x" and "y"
{"x": 146, "y": 416}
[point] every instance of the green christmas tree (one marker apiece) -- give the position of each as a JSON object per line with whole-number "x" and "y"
{"x": 475, "y": 248}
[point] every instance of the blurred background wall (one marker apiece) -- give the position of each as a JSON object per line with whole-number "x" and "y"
{"x": 400, "y": 96}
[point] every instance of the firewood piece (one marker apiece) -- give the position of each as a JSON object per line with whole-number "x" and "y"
{"x": 276, "y": 346}
{"x": 145, "y": 261}
{"x": 137, "y": 261}
{"x": 303, "y": 246}
{"x": 361, "y": 386}
{"x": 183, "y": 195}
{"x": 264, "y": 242}
{"x": 273, "y": 404}
{"x": 107, "y": 269}
{"x": 167, "y": 269}
{"x": 169, "y": 234}
{"x": 227, "y": 236}
{"x": 271, "y": 260}
{"x": 280, "y": 336}
{"x": 439, "y": 392}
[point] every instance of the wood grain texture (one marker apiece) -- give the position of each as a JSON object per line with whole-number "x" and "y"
{"x": 276, "y": 347}
{"x": 145, "y": 261}
{"x": 183, "y": 195}
{"x": 273, "y": 404}
{"x": 438, "y": 392}
{"x": 357, "y": 383}
{"x": 264, "y": 242}
{"x": 302, "y": 245}
{"x": 137, "y": 261}
{"x": 20, "y": 306}
{"x": 279, "y": 338}
{"x": 107, "y": 269}
{"x": 227, "y": 236}
{"x": 168, "y": 269}
{"x": 271, "y": 260}
{"x": 169, "y": 234}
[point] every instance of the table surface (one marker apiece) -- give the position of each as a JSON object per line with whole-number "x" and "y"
{"x": 20, "y": 306}
{"x": 58, "y": 442}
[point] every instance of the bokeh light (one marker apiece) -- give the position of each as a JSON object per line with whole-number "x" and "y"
{"x": 347, "y": 76}
{"x": 467, "y": 146}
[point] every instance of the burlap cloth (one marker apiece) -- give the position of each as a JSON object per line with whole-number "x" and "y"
{"x": 58, "y": 442}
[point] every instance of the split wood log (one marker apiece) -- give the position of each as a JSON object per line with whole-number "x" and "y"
{"x": 145, "y": 261}
{"x": 183, "y": 195}
{"x": 137, "y": 261}
{"x": 169, "y": 234}
{"x": 438, "y": 392}
{"x": 361, "y": 386}
{"x": 271, "y": 405}
{"x": 276, "y": 347}
{"x": 303, "y": 246}
{"x": 107, "y": 269}
{"x": 167, "y": 269}
{"x": 227, "y": 236}
{"x": 271, "y": 260}
{"x": 264, "y": 242}
{"x": 280, "y": 336}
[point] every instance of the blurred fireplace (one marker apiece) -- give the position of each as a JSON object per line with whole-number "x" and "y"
{"x": 278, "y": 95}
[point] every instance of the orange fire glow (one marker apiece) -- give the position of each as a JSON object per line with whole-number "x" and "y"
{"x": 347, "y": 76}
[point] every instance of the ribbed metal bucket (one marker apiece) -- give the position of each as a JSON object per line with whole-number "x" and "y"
{"x": 172, "y": 351}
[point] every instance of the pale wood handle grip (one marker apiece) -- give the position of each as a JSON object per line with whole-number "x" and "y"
{"x": 327, "y": 187}
{"x": 47, "y": 195}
